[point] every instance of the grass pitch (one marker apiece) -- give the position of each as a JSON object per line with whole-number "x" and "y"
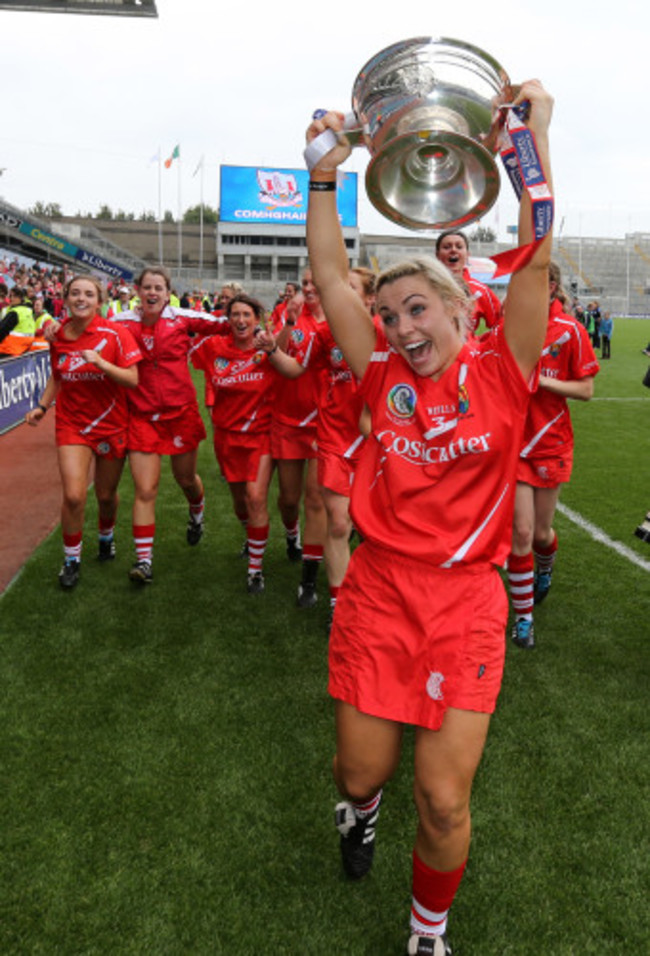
{"x": 166, "y": 751}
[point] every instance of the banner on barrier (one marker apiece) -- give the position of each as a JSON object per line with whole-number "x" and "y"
{"x": 22, "y": 380}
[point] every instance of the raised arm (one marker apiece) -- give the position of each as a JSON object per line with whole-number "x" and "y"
{"x": 346, "y": 315}
{"x": 527, "y": 302}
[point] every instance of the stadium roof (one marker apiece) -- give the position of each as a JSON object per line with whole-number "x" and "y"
{"x": 117, "y": 8}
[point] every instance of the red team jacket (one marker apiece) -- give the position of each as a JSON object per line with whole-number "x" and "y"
{"x": 165, "y": 384}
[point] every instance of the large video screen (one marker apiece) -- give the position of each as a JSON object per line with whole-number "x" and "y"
{"x": 251, "y": 194}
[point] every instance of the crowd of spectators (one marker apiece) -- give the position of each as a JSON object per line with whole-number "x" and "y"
{"x": 31, "y": 293}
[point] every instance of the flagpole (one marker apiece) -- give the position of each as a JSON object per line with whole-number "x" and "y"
{"x": 160, "y": 237}
{"x": 201, "y": 228}
{"x": 180, "y": 223}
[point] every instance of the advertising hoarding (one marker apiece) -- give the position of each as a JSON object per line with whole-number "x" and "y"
{"x": 265, "y": 194}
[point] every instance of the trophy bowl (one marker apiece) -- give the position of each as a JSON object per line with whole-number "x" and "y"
{"x": 426, "y": 111}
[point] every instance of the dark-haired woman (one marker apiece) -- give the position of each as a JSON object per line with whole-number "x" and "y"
{"x": 164, "y": 413}
{"x": 452, "y": 249}
{"x": 241, "y": 378}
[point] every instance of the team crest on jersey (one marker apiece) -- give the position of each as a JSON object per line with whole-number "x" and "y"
{"x": 401, "y": 401}
{"x": 297, "y": 336}
{"x": 463, "y": 400}
{"x": 258, "y": 357}
{"x": 336, "y": 356}
{"x": 554, "y": 349}
{"x": 221, "y": 364}
{"x": 434, "y": 685}
{"x": 103, "y": 448}
{"x": 72, "y": 360}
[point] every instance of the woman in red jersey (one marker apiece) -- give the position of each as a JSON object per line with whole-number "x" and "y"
{"x": 241, "y": 378}
{"x": 452, "y": 248}
{"x": 418, "y": 632}
{"x": 567, "y": 370}
{"x": 164, "y": 413}
{"x": 342, "y": 427}
{"x": 93, "y": 362}
{"x": 293, "y": 439}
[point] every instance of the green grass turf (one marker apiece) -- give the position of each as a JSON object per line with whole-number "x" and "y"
{"x": 166, "y": 752}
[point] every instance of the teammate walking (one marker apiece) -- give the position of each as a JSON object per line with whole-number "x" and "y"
{"x": 93, "y": 362}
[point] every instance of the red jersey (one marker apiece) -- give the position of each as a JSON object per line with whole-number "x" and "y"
{"x": 165, "y": 383}
{"x": 241, "y": 382}
{"x": 341, "y": 403}
{"x": 88, "y": 401}
{"x": 487, "y": 305}
{"x": 295, "y": 402}
{"x": 567, "y": 356}
{"x": 436, "y": 478}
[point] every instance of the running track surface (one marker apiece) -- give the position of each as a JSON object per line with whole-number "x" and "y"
{"x": 30, "y": 494}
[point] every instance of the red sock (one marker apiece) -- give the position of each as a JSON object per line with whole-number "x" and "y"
{"x": 196, "y": 508}
{"x": 72, "y": 546}
{"x": 257, "y": 538}
{"x": 312, "y": 552}
{"x": 143, "y": 535}
{"x": 106, "y": 528}
{"x": 520, "y": 579}
{"x": 545, "y": 555}
{"x": 433, "y": 894}
{"x": 292, "y": 530}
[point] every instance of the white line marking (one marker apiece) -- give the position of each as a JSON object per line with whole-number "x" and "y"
{"x": 612, "y": 398}
{"x": 599, "y": 535}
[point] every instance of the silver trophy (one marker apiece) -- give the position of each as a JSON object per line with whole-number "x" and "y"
{"x": 425, "y": 110}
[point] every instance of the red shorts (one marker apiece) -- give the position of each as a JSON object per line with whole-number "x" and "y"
{"x": 336, "y": 472}
{"x": 290, "y": 443}
{"x": 409, "y": 640}
{"x": 239, "y": 453}
{"x": 111, "y": 446}
{"x": 167, "y": 436}
{"x": 545, "y": 472}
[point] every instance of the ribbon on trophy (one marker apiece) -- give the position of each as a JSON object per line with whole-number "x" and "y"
{"x": 520, "y": 158}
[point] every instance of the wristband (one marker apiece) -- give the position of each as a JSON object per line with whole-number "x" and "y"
{"x": 43, "y": 408}
{"x": 317, "y": 186}
{"x": 274, "y": 349}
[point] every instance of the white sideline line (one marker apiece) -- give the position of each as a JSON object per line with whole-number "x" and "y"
{"x": 599, "y": 535}
{"x": 614, "y": 398}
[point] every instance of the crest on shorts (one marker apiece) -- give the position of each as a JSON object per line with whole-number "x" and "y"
{"x": 401, "y": 401}
{"x": 434, "y": 685}
{"x": 103, "y": 448}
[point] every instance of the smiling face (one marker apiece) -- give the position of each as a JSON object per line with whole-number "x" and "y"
{"x": 154, "y": 295}
{"x": 243, "y": 322}
{"x": 82, "y": 300}
{"x": 453, "y": 253}
{"x": 419, "y": 325}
